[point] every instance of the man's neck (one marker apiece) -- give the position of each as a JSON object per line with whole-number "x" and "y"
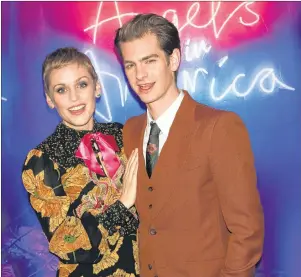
{"x": 157, "y": 108}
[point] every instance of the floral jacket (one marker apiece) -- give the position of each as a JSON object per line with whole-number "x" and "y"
{"x": 74, "y": 181}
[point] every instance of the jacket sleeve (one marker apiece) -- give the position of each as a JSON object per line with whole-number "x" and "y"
{"x": 73, "y": 238}
{"x": 234, "y": 174}
{"x": 128, "y": 137}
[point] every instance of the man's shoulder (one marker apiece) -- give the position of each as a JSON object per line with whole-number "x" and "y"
{"x": 205, "y": 111}
{"x": 214, "y": 115}
{"x": 135, "y": 120}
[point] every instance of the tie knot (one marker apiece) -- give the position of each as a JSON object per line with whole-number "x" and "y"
{"x": 155, "y": 130}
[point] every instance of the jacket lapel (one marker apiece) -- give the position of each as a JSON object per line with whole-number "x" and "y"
{"x": 172, "y": 154}
{"x": 143, "y": 180}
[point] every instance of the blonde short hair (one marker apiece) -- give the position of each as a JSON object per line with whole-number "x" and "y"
{"x": 62, "y": 57}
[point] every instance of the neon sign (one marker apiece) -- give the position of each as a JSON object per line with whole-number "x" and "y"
{"x": 264, "y": 79}
{"x": 195, "y": 50}
{"x": 260, "y": 79}
{"x": 192, "y": 12}
{"x": 198, "y": 50}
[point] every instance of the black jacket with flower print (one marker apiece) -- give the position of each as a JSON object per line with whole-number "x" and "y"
{"x": 87, "y": 227}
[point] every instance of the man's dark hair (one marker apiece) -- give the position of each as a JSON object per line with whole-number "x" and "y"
{"x": 142, "y": 24}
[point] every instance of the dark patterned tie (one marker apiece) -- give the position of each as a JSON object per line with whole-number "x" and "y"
{"x": 152, "y": 150}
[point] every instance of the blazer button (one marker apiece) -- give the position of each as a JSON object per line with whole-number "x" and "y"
{"x": 150, "y": 266}
{"x": 150, "y": 188}
{"x": 152, "y": 232}
{"x": 150, "y": 206}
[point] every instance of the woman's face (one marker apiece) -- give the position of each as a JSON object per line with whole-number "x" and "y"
{"x": 72, "y": 92}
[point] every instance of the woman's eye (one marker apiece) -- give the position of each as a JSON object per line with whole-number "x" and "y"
{"x": 60, "y": 90}
{"x": 83, "y": 84}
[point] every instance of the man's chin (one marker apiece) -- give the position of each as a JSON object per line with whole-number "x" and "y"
{"x": 147, "y": 99}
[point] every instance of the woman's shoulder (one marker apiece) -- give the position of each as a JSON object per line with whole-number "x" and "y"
{"x": 33, "y": 154}
{"x": 42, "y": 150}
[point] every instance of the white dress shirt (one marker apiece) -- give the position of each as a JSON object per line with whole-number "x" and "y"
{"x": 164, "y": 123}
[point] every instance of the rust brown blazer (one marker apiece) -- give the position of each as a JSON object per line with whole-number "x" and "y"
{"x": 200, "y": 213}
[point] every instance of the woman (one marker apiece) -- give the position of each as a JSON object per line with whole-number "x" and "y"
{"x": 77, "y": 180}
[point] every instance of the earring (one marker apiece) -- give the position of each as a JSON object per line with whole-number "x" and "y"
{"x": 98, "y": 95}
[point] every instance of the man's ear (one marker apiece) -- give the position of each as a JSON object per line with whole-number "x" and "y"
{"x": 175, "y": 60}
{"x": 49, "y": 101}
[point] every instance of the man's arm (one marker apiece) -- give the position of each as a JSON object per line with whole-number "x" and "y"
{"x": 235, "y": 177}
{"x": 127, "y": 145}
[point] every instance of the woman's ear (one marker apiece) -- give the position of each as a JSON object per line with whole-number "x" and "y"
{"x": 49, "y": 101}
{"x": 97, "y": 90}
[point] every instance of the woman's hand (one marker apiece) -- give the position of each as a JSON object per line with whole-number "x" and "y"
{"x": 129, "y": 190}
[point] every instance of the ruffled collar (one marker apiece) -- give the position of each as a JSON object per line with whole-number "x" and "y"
{"x": 63, "y": 128}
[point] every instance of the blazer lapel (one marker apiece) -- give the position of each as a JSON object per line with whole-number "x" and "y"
{"x": 173, "y": 152}
{"x": 143, "y": 179}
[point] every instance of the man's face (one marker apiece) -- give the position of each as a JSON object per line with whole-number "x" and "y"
{"x": 149, "y": 72}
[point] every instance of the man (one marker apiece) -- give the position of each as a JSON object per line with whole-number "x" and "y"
{"x": 200, "y": 212}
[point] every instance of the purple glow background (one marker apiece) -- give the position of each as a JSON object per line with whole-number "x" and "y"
{"x": 30, "y": 30}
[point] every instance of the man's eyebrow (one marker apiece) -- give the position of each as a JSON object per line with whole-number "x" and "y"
{"x": 144, "y": 58}
{"x": 148, "y": 57}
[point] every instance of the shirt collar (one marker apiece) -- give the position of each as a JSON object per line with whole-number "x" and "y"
{"x": 63, "y": 130}
{"x": 166, "y": 119}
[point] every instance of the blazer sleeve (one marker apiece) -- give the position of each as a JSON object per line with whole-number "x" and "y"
{"x": 73, "y": 238}
{"x": 127, "y": 137}
{"x": 234, "y": 174}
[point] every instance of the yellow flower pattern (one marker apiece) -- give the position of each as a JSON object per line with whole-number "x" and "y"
{"x": 68, "y": 199}
{"x": 136, "y": 256}
{"x": 74, "y": 180}
{"x": 109, "y": 259}
{"x": 66, "y": 269}
{"x": 43, "y": 200}
{"x": 121, "y": 273}
{"x": 33, "y": 152}
{"x": 69, "y": 237}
